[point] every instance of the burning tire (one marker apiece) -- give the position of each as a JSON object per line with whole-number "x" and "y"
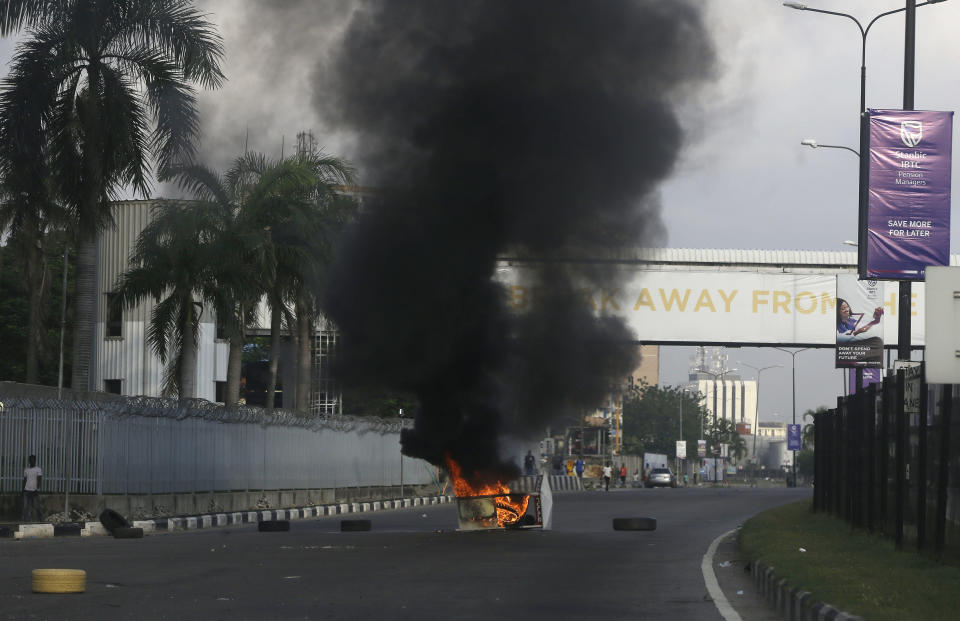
{"x": 635, "y": 523}
{"x": 112, "y": 520}
{"x": 354, "y": 525}
{"x": 128, "y": 532}
{"x": 59, "y": 580}
{"x": 273, "y": 526}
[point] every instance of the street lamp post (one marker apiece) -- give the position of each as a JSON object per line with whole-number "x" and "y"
{"x": 793, "y": 380}
{"x": 904, "y": 297}
{"x": 756, "y": 418}
{"x": 813, "y": 144}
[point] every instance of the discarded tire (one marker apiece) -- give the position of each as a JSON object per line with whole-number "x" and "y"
{"x": 59, "y": 581}
{"x": 128, "y": 532}
{"x": 69, "y": 529}
{"x": 354, "y": 525}
{"x": 112, "y": 520}
{"x": 635, "y": 523}
{"x": 273, "y": 526}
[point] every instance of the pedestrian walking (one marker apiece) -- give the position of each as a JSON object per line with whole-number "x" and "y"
{"x": 607, "y": 473}
{"x": 528, "y": 463}
{"x": 32, "y": 478}
{"x": 578, "y": 466}
{"x": 636, "y": 478}
{"x": 558, "y": 465}
{"x": 623, "y": 475}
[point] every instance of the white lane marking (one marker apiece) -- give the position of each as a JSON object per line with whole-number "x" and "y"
{"x": 713, "y": 587}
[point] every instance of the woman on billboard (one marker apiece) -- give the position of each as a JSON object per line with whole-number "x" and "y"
{"x": 848, "y": 322}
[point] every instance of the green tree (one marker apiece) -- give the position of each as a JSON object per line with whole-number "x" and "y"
{"x": 725, "y": 432}
{"x": 274, "y": 225}
{"x": 651, "y": 419}
{"x": 107, "y": 85}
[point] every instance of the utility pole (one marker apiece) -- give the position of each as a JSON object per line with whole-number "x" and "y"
{"x": 905, "y": 299}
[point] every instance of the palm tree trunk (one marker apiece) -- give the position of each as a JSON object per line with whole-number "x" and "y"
{"x": 303, "y": 356}
{"x": 84, "y": 322}
{"x": 37, "y": 286}
{"x": 188, "y": 368}
{"x": 274, "y": 354}
{"x": 234, "y": 366}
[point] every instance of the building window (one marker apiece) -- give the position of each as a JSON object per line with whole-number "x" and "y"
{"x": 113, "y": 386}
{"x": 220, "y": 389}
{"x": 114, "y": 316}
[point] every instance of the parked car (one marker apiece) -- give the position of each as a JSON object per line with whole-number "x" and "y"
{"x": 661, "y": 477}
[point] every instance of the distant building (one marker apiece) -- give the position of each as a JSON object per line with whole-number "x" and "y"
{"x": 725, "y": 393}
{"x": 773, "y": 431}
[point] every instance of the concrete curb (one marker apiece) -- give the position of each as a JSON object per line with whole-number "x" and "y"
{"x": 793, "y": 603}
{"x": 216, "y": 520}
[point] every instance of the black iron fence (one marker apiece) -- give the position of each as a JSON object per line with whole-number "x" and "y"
{"x": 888, "y": 461}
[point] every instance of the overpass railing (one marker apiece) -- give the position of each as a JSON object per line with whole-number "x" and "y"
{"x": 887, "y": 460}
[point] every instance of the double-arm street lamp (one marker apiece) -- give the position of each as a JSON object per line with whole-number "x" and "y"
{"x": 721, "y": 375}
{"x": 793, "y": 380}
{"x": 756, "y": 418}
{"x": 904, "y": 301}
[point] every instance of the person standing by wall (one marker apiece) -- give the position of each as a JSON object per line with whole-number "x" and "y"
{"x": 32, "y": 478}
{"x": 528, "y": 463}
{"x": 578, "y": 466}
{"x": 607, "y": 473}
{"x": 623, "y": 475}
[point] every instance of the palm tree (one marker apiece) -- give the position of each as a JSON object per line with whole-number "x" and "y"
{"x": 108, "y": 84}
{"x": 302, "y": 222}
{"x": 171, "y": 265}
{"x": 29, "y": 212}
{"x": 277, "y": 221}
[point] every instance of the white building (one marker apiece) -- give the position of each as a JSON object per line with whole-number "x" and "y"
{"x": 725, "y": 394}
{"x": 122, "y": 359}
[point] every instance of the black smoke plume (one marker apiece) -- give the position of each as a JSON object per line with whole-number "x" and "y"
{"x": 489, "y": 128}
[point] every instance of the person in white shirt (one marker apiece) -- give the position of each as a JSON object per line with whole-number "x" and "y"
{"x": 607, "y": 473}
{"x": 32, "y": 477}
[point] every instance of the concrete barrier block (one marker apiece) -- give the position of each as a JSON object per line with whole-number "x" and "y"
{"x": 221, "y": 519}
{"x": 343, "y": 508}
{"x": 407, "y": 502}
{"x": 176, "y": 524}
{"x": 365, "y": 506}
{"x": 148, "y": 526}
{"x": 206, "y": 521}
{"x": 93, "y": 529}
{"x": 376, "y": 505}
{"x": 294, "y": 514}
{"x": 354, "y": 507}
{"x": 191, "y": 523}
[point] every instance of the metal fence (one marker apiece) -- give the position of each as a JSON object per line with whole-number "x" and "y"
{"x": 888, "y": 460}
{"x": 154, "y": 446}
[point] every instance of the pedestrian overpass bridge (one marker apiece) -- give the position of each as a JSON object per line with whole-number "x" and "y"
{"x": 680, "y": 296}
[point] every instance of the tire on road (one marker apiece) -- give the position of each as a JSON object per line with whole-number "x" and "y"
{"x": 112, "y": 520}
{"x": 128, "y": 532}
{"x": 59, "y": 581}
{"x": 635, "y": 523}
{"x": 273, "y": 526}
{"x": 68, "y": 529}
{"x": 354, "y": 525}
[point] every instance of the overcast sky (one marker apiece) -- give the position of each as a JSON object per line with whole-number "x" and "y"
{"x": 743, "y": 181}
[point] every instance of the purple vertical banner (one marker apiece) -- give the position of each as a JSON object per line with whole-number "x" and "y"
{"x": 870, "y": 376}
{"x": 908, "y": 204}
{"x": 794, "y": 442}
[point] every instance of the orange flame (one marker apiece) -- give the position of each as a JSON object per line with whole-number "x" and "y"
{"x": 510, "y": 508}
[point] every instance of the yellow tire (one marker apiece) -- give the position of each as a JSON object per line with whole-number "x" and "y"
{"x": 59, "y": 581}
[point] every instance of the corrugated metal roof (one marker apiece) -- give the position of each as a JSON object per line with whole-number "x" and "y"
{"x": 728, "y": 256}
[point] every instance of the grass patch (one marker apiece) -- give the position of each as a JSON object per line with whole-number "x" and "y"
{"x": 856, "y": 572}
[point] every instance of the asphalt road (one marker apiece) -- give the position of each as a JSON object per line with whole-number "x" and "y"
{"x": 412, "y": 565}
